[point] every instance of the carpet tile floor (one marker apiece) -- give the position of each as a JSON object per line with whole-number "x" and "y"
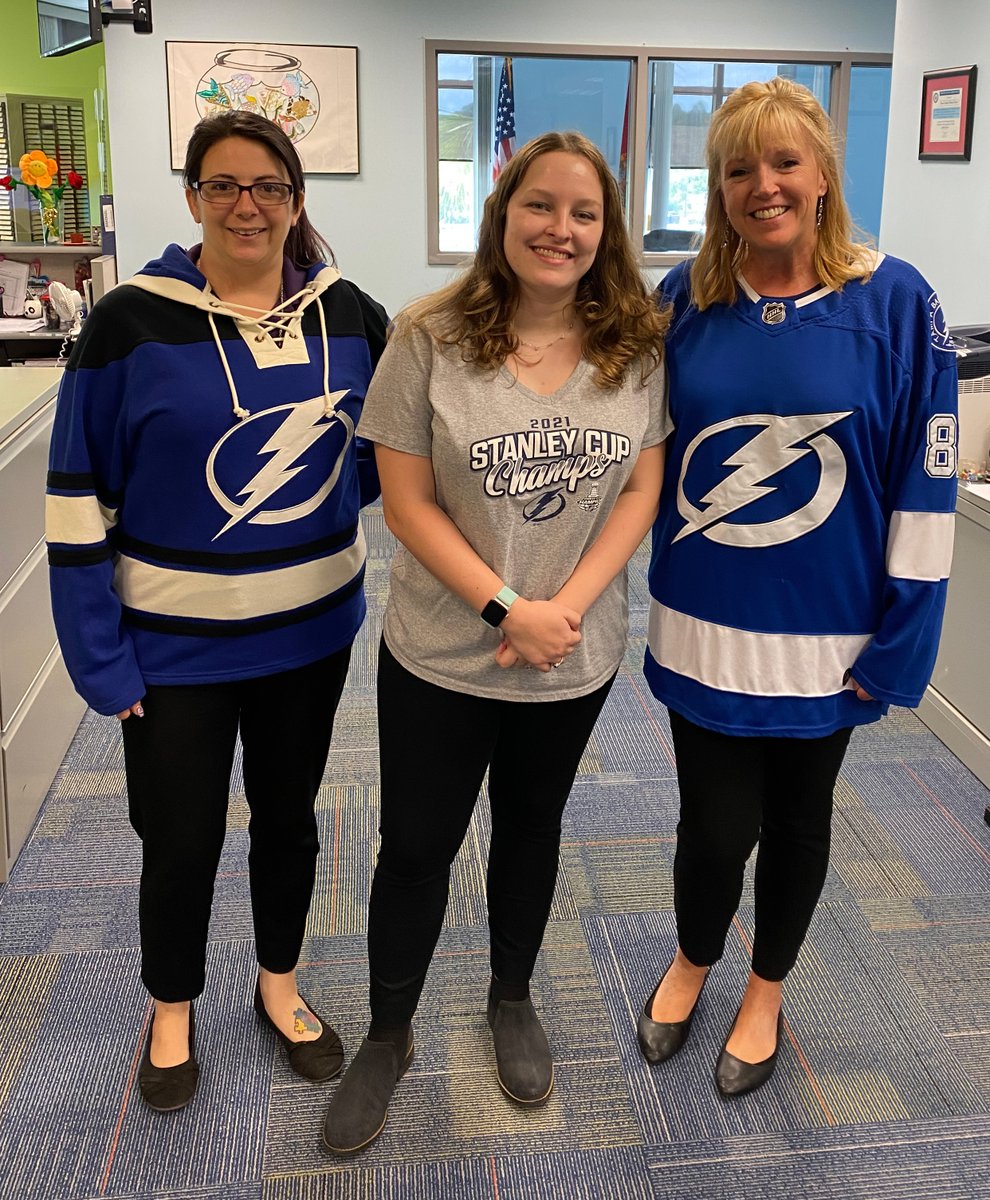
{"x": 882, "y": 1091}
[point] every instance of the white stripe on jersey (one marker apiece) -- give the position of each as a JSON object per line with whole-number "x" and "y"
{"x": 754, "y": 664}
{"x": 77, "y": 520}
{"x": 236, "y": 596}
{"x": 919, "y": 545}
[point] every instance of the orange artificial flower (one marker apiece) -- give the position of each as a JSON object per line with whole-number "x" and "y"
{"x": 37, "y": 169}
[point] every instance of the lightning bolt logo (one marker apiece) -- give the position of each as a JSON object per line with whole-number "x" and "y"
{"x": 547, "y": 506}
{"x": 774, "y": 448}
{"x": 304, "y": 425}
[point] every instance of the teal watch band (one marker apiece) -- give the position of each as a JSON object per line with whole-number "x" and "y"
{"x": 495, "y": 610}
{"x": 506, "y": 596}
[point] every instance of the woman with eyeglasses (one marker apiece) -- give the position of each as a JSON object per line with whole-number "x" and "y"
{"x": 207, "y": 563}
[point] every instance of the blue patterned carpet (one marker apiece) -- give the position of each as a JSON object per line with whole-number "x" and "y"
{"x": 882, "y": 1091}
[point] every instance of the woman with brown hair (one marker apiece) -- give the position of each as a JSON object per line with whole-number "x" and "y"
{"x": 518, "y": 416}
{"x": 207, "y": 564}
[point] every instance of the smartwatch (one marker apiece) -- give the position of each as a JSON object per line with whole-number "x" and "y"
{"x": 495, "y": 610}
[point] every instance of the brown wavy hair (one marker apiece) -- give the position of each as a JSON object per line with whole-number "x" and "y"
{"x": 304, "y": 245}
{"x": 752, "y": 117}
{"x": 622, "y": 325}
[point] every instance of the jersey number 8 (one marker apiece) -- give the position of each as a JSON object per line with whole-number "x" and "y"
{"x": 940, "y": 455}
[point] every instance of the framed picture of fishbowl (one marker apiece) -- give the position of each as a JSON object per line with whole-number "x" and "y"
{"x": 308, "y": 91}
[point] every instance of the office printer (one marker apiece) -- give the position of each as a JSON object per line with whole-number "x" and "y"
{"x": 972, "y": 343}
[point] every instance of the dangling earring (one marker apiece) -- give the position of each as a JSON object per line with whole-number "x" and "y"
{"x": 821, "y": 212}
{"x": 726, "y": 232}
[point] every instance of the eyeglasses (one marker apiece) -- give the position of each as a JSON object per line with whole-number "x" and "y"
{"x": 225, "y": 191}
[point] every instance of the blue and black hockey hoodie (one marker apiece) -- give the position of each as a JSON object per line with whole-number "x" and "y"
{"x": 205, "y": 481}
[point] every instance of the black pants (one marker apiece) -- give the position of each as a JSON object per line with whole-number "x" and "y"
{"x": 435, "y": 746}
{"x": 179, "y": 758}
{"x": 736, "y": 791}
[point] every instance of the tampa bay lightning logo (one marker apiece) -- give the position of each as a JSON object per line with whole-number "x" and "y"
{"x": 281, "y": 453}
{"x": 781, "y": 442}
{"x": 545, "y": 507}
{"x": 940, "y": 332}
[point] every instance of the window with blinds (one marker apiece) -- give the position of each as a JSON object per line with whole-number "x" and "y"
{"x": 57, "y": 126}
{"x": 6, "y": 198}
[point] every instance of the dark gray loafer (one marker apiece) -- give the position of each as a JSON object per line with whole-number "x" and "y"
{"x": 522, "y": 1053}
{"x": 359, "y": 1108}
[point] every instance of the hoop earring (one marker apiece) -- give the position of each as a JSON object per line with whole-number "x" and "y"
{"x": 821, "y": 212}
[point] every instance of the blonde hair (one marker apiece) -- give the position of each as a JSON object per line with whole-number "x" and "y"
{"x": 622, "y": 325}
{"x": 751, "y": 118}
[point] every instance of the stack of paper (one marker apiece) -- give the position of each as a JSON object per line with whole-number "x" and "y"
{"x": 13, "y": 286}
{"x": 15, "y": 325}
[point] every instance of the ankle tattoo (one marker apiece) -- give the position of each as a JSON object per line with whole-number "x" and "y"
{"x": 303, "y": 1021}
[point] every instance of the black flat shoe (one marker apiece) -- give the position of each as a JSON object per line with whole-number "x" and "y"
{"x": 522, "y": 1053}
{"x": 733, "y": 1077}
{"x": 660, "y": 1040}
{"x": 316, "y": 1060}
{"x": 166, "y": 1089}
{"x": 359, "y": 1108}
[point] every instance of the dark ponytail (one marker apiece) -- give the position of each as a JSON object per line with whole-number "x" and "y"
{"x": 304, "y": 245}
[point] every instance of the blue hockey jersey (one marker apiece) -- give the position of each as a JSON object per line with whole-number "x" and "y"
{"x": 805, "y": 526}
{"x": 205, "y": 481}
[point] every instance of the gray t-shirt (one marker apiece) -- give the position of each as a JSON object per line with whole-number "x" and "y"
{"x": 529, "y": 481}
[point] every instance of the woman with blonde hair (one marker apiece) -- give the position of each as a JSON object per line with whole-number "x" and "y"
{"x": 518, "y": 416}
{"x": 802, "y": 547}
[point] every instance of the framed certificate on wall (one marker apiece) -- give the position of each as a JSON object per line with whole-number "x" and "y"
{"x": 947, "y": 102}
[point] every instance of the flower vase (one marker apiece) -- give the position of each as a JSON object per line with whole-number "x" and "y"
{"x": 51, "y": 224}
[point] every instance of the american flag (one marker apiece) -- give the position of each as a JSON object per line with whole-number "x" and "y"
{"x": 624, "y": 145}
{"x": 505, "y": 121}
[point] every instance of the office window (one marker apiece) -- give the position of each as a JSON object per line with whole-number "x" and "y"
{"x": 542, "y": 92}
{"x": 866, "y": 143}
{"x": 462, "y": 77}
{"x": 647, "y": 108}
{"x": 683, "y": 95}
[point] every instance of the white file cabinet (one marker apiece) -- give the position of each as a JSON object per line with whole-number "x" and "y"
{"x": 956, "y": 706}
{"x": 39, "y": 710}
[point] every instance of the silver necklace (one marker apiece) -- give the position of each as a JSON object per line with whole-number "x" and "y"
{"x": 538, "y": 349}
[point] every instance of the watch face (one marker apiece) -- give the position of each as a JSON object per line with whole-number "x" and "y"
{"x": 493, "y": 613}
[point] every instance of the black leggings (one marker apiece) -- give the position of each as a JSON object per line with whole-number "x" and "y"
{"x": 736, "y": 791}
{"x": 435, "y": 745}
{"x": 179, "y": 758}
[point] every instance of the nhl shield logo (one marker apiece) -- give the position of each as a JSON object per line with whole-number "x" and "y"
{"x": 774, "y": 312}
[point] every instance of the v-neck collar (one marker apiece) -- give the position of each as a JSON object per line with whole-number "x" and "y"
{"x": 569, "y": 382}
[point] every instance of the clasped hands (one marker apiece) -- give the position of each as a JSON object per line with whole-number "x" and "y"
{"x": 538, "y": 633}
